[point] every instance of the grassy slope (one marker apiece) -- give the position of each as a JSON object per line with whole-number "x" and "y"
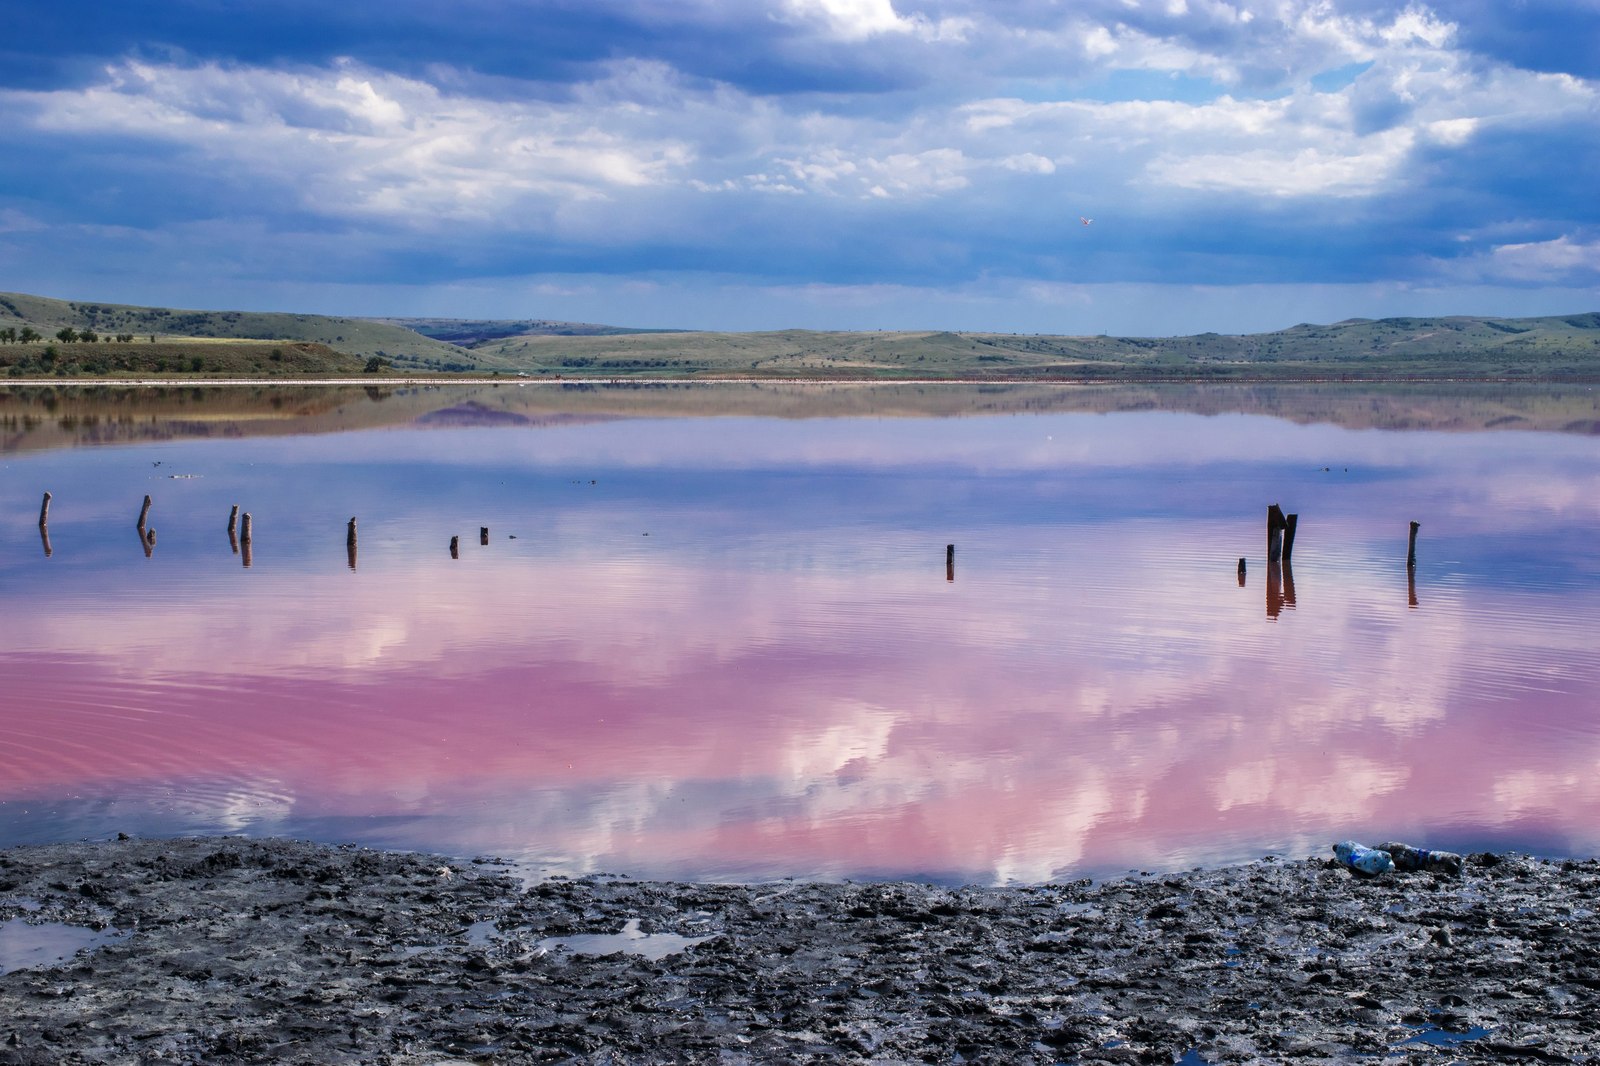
{"x": 351, "y": 336}
{"x": 1559, "y": 347}
{"x": 1555, "y": 348}
{"x": 473, "y": 332}
{"x": 196, "y": 358}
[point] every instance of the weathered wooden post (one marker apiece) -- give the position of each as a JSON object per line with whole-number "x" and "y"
{"x": 350, "y": 542}
{"x": 244, "y": 528}
{"x": 44, "y": 512}
{"x": 483, "y": 535}
{"x": 1241, "y": 572}
{"x": 1275, "y": 527}
{"x": 455, "y": 547}
{"x": 148, "y": 537}
{"x": 44, "y": 535}
{"x": 144, "y": 514}
{"x": 1289, "y": 522}
{"x": 1411, "y": 549}
{"x": 233, "y": 519}
{"x": 949, "y": 562}
{"x": 1411, "y": 586}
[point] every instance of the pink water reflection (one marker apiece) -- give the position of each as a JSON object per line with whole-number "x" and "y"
{"x": 787, "y": 675}
{"x": 1113, "y": 701}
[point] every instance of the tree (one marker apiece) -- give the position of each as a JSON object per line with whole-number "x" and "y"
{"x": 88, "y": 336}
{"x": 66, "y": 335}
{"x": 8, "y": 335}
{"x": 28, "y": 335}
{"x": 375, "y": 364}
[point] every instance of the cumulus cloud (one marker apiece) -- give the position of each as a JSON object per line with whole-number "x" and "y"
{"x": 1561, "y": 259}
{"x": 850, "y": 124}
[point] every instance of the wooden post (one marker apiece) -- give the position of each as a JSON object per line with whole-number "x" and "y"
{"x": 244, "y": 529}
{"x": 1289, "y": 522}
{"x": 148, "y": 536}
{"x": 1411, "y": 586}
{"x": 233, "y": 519}
{"x": 350, "y": 534}
{"x": 483, "y": 535}
{"x": 949, "y": 562}
{"x": 44, "y": 512}
{"x": 247, "y": 556}
{"x": 1411, "y": 549}
{"x": 1241, "y": 572}
{"x": 144, "y": 513}
{"x": 455, "y": 547}
{"x": 44, "y": 535}
{"x": 1275, "y": 527}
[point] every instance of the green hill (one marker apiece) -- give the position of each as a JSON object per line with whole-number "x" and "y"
{"x": 1564, "y": 348}
{"x": 1556, "y": 348}
{"x": 475, "y": 332}
{"x": 357, "y": 337}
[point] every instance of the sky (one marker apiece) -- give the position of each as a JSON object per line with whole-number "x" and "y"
{"x": 1132, "y": 167}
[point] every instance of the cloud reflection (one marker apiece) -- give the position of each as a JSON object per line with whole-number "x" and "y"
{"x": 812, "y": 696}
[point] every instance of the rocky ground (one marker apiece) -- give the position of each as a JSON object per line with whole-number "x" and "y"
{"x": 237, "y": 951}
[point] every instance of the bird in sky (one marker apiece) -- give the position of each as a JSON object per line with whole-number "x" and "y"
{"x": 1085, "y": 221}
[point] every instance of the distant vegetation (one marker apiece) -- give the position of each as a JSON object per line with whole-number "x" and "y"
{"x": 44, "y": 337}
{"x": 309, "y": 344}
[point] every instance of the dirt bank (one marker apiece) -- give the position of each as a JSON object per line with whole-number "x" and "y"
{"x": 233, "y": 950}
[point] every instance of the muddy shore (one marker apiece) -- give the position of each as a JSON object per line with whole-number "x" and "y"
{"x": 227, "y": 950}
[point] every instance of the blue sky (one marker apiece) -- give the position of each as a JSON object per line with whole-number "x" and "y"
{"x": 854, "y": 164}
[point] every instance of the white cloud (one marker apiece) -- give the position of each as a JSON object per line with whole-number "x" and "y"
{"x": 1552, "y": 260}
{"x": 978, "y": 116}
{"x": 859, "y": 20}
{"x": 367, "y": 143}
{"x": 1358, "y": 167}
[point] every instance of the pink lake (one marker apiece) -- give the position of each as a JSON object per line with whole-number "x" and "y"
{"x": 734, "y": 647}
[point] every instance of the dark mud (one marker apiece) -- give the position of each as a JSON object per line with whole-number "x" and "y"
{"x": 277, "y": 951}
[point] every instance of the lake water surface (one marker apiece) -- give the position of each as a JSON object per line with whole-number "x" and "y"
{"x": 737, "y": 646}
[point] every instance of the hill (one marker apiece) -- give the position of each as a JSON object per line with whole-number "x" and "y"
{"x": 473, "y": 333}
{"x": 1556, "y": 348}
{"x": 359, "y": 338}
{"x": 1559, "y": 348}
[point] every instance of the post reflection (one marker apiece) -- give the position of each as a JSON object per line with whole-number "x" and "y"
{"x": 728, "y": 703}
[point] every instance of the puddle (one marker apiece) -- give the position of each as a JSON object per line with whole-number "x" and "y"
{"x": 1437, "y": 1037}
{"x": 25, "y": 946}
{"x": 652, "y": 946}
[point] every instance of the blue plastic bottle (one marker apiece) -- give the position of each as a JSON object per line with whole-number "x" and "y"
{"x": 1362, "y": 859}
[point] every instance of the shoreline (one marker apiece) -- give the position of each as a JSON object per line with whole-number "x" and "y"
{"x": 233, "y": 950}
{"x": 515, "y": 379}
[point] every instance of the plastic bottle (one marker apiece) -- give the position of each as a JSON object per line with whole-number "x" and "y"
{"x": 1407, "y": 857}
{"x": 1362, "y": 859}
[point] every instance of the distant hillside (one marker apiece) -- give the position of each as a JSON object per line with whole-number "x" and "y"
{"x": 471, "y": 333}
{"x": 359, "y": 337}
{"x": 190, "y": 358}
{"x": 1555, "y": 348}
